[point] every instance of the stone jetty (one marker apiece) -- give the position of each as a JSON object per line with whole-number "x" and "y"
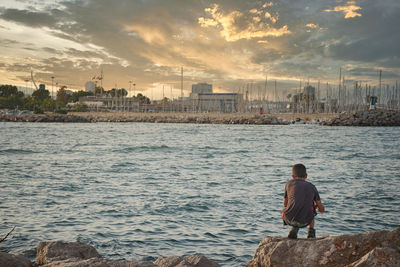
{"x": 369, "y": 249}
{"x": 42, "y": 118}
{"x": 148, "y": 117}
{"x": 359, "y": 118}
{"x": 365, "y": 118}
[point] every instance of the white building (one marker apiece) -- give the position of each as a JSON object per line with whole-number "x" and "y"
{"x": 202, "y": 99}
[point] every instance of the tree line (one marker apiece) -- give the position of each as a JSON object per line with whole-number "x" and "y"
{"x": 40, "y": 101}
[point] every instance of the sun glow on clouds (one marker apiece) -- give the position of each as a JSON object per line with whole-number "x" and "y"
{"x": 149, "y": 34}
{"x": 237, "y": 25}
{"x": 349, "y": 10}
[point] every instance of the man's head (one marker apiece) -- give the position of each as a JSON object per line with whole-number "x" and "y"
{"x": 299, "y": 171}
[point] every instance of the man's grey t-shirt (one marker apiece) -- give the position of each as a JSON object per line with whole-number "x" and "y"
{"x": 301, "y": 196}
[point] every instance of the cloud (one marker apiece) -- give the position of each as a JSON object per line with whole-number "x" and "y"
{"x": 238, "y": 25}
{"x": 350, "y": 10}
{"x": 312, "y": 26}
{"x": 26, "y": 17}
{"x": 227, "y": 43}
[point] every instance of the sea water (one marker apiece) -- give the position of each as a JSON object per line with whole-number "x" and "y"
{"x": 136, "y": 191}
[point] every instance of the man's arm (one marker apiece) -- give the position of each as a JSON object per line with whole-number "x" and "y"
{"x": 320, "y": 207}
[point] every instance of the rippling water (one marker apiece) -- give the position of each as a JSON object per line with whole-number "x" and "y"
{"x": 136, "y": 191}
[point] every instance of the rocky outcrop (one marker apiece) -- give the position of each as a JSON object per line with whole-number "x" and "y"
{"x": 48, "y": 252}
{"x": 60, "y": 254}
{"x": 14, "y": 260}
{"x": 370, "y": 249}
{"x": 190, "y": 261}
{"x": 365, "y": 118}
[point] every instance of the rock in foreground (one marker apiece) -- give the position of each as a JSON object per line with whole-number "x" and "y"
{"x": 60, "y": 254}
{"x": 369, "y": 249}
{"x": 13, "y": 260}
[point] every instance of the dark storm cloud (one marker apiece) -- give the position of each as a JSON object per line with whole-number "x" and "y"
{"x": 28, "y": 18}
{"x": 372, "y": 37}
{"x": 371, "y": 72}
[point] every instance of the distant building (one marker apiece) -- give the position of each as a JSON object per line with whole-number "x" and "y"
{"x": 222, "y": 102}
{"x": 90, "y": 86}
{"x": 202, "y": 99}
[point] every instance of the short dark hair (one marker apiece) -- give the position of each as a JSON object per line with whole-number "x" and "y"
{"x": 299, "y": 170}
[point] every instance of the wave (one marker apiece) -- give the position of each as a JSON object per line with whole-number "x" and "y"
{"x": 16, "y": 151}
{"x": 142, "y": 148}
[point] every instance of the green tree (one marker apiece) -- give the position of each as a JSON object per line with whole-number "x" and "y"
{"x": 14, "y": 101}
{"x": 48, "y": 104}
{"x": 80, "y": 107}
{"x": 123, "y": 92}
{"x": 41, "y": 94}
{"x": 9, "y": 90}
{"x": 37, "y": 109}
{"x": 62, "y": 96}
{"x": 98, "y": 90}
{"x": 142, "y": 99}
{"x": 76, "y": 95}
{"x": 29, "y": 103}
{"x": 165, "y": 101}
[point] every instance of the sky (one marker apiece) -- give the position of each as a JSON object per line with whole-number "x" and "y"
{"x": 232, "y": 44}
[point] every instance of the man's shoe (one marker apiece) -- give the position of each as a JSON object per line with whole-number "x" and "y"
{"x": 293, "y": 232}
{"x": 311, "y": 233}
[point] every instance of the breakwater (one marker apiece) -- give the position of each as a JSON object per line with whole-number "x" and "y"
{"x": 43, "y": 118}
{"x": 198, "y": 118}
{"x": 365, "y": 118}
{"x": 148, "y": 117}
{"x": 359, "y": 118}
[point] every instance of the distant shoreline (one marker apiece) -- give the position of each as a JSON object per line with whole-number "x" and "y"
{"x": 130, "y": 115}
{"x": 196, "y": 118}
{"x": 359, "y": 118}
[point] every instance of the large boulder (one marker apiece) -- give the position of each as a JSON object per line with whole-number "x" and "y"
{"x": 369, "y": 249}
{"x": 61, "y": 254}
{"x": 189, "y": 261}
{"x": 10, "y": 260}
{"x": 98, "y": 262}
{"x": 48, "y": 252}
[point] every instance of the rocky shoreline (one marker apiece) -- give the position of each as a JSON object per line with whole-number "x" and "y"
{"x": 360, "y": 118}
{"x": 74, "y": 254}
{"x": 365, "y": 118}
{"x": 380, "y": 248}
{"x": 147, "y": 117}
{"x": 370, "y": 249}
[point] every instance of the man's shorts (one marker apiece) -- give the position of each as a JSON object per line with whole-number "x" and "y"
{"x": 297, "y": 224}
{"x": 293, "y": 222}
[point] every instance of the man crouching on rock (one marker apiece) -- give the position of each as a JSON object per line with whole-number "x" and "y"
{"x": 299, "y": 203}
